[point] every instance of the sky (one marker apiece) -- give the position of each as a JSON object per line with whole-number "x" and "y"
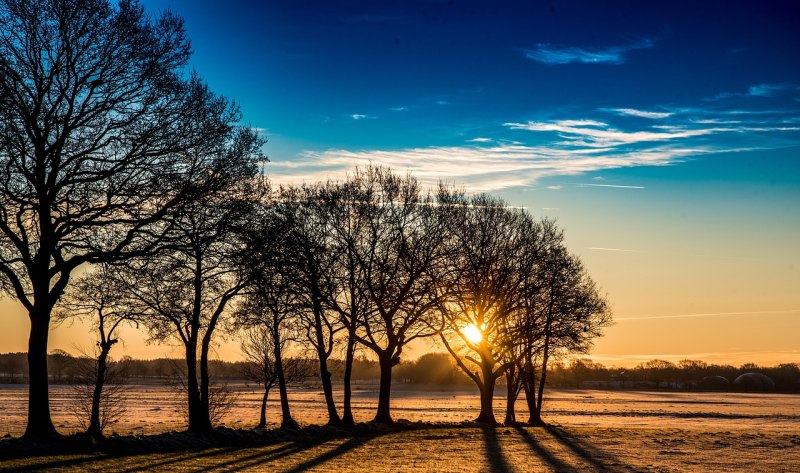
{"x": 664, "y": 138}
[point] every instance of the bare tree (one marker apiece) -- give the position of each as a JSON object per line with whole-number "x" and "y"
{"x": 98, "y": 393}
{"x": 272, "y": 301}
{"x": 184, "y": 290}
{"x": 98, "y": 297}
{"x": 266, "y": 367}
{"x": 525, "y": 326}
{"x": 482, "y": 286}
{"x": 349, "y": 298}
{"x": 310, "y": 266}
{"x": 99, "y": 134}
{"x": 568, "y": 311}
{"x": 402, "y": 241}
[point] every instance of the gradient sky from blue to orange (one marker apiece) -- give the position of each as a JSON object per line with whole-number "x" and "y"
{"x": 664, "y": 138}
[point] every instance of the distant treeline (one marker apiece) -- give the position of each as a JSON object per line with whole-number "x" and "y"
{"x": 683, "y": 375}
{"x": 432, "y": 368}
{"x": 439, "y": 369}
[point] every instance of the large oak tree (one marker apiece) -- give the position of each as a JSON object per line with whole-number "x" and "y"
{"x": 102, "y": 137}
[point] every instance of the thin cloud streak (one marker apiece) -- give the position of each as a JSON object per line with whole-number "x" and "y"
{"x": 611, "y": 185}
{"x": 724, "y": 356}
{"x": 757, "y": 90}
{"x": 623, "y": 250}
{"x": 559, "y": 55}
{"x": 638, "y": 113}
{"x": 710, "y": 314}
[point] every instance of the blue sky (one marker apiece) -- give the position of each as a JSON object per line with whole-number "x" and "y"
{"x": 663, "y": 136}
{"x": 518, "y": 90}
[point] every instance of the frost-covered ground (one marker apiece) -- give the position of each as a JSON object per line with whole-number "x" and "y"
{"x": 592, "y": 430}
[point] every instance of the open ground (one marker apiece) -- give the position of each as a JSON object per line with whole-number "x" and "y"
{"x": 590, "y": 430}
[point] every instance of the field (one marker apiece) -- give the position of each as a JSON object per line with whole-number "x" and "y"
{"x": 589, "y": 430}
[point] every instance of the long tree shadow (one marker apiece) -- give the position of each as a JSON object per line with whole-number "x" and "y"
{"x": 494, "y": 453}
{"x": 542, "y": 452}
{"x": 257, "y": 458}
{"x": 337, "y": 451}
{"x": 599, "y": 459}
{"x": 156, "y": 457}
{"x": 171, "y": 458}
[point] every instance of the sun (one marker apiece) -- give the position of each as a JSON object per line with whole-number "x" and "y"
{"x": 472, "y": 333}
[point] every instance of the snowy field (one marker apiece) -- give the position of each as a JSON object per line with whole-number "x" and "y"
{"x": 592, "y": 431}
{"x": 156, "y": 409}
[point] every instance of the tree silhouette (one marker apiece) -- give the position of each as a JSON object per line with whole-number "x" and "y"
{"x": 310, "y": 262}
{"x": 270, "y": 305}
{"x": 184, "y": 290}
{"x": 482, "y": 286}
{"x": 402, "y": 242}
{"x": 566, "y": 307}
{"x": 349, "y": 297}
{"x": 99, "y": 144}
{"x": 265, "y": 366}
{"x": 98, "y": 297}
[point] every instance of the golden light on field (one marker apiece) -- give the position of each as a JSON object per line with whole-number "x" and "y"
{"x": 472, "y": 333}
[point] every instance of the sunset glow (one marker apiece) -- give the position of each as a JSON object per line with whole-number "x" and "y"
{"x": 472, "y": 333}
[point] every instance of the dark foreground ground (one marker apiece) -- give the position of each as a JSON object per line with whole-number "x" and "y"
{"x": 466, "y": 447}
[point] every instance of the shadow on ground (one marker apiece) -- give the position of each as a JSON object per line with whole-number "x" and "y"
{"x": 403, "y": 448}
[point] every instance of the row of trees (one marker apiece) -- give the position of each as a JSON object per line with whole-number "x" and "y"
{"x": 120, "y": 169}
{"x": 374, "y": 262}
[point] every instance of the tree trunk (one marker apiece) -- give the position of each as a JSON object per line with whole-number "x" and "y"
{"x": 512, "y": 382}
{"x": 327, "y": 388}
{"x": 528, "y": 378}
{"x": 262, "y": 420}
{"x": 287, "y": 422}
{"x": 487, "y": 394}
{"x": 204, "y": 414}
{"x": 198, "y": 422}
{"x": 384, "y": 415}
{"x": 40, "y": 426}
{"x": 95, "y": 427}
{"x": 542, "y": 381}
{"x": 347, "y": 416}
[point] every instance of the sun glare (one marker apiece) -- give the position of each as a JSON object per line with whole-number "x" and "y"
{"x": 472, "y": 333}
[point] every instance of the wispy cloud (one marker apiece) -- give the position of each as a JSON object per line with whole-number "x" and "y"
{"x": 766, "y": 90}
{"x": 611, "y": 185}
{"x": 756, "y": 90}
{"x": 554, "y": 188}
{"x": 483, "y": 168}
{"x": 557, "y": 55}
{"x": 531, "y": 151}
{"x": 710, "y": 314}
{"x": 398, "y": 109}
{"x": 594, "y": 133}
{"x": 632, "y": 112}
{"x": 621, "y": 250}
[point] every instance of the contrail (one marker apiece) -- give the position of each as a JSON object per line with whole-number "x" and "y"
{"x": 611, "y": 185}
{"x": 710, "y": 314}
{"x": 611, "y": 249}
